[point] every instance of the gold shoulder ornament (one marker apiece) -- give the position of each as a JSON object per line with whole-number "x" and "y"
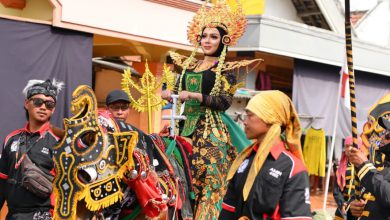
{"x": 235, "y": 65}
{"x": 179, "y": 60}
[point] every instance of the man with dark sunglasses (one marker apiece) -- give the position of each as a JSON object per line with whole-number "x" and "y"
{"x": 35, "y": 141}
{"x": 118, "y": 104}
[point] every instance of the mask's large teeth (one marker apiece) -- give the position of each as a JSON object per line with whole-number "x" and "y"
{"x": 83, "y": 167}
{"x": 92, "y": 173}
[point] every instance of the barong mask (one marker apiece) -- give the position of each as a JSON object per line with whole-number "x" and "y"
{"x": 91, "y": 159}
{"x": 373, "y": 133}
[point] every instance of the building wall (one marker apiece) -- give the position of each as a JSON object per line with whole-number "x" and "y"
{"x": 281, "y": 9}
{"x": 38, "y": 9}
{"x": 135, "y": 17}
{"x": 107, "y": 80}
{"x": 9, "y": 11}
{"x": 375, "y": 26}
{"x": 238, "y": 108}
{"x": 35, "y": 9}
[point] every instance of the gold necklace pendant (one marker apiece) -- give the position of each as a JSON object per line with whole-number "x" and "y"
{"x": 202, "y": 66}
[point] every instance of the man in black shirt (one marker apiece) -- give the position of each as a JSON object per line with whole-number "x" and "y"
{"x": 375, "y": 181}
{"x": 35, "y": 141}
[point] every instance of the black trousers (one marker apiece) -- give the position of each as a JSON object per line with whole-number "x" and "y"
{"x": 37, "y": 215}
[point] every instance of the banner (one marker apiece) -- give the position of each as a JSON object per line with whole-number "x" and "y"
{"x": 37, "y": 51}
{"x": 345, "y": 86}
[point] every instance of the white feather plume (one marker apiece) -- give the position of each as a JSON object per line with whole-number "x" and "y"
{"x": 58, "y": 84}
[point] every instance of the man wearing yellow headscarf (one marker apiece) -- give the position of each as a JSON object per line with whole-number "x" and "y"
{"x": 269, "y": 180}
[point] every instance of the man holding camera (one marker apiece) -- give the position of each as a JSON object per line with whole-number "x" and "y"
{"x": 30, "y": 148}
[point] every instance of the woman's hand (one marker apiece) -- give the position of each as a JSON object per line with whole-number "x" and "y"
{"x": 185, "y": 96}
{"x": 166, "y": 94}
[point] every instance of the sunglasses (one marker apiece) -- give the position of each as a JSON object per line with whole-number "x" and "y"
{"x": 37, "y": 102}
{"x": 121, "y": 107}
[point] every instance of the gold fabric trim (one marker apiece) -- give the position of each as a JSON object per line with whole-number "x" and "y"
{"x": 364, "y": 170}
{"x": 365, "y": 213}
{"x": 237, "y": 64}
{"x": 369, "y": 197}
{"x": 179, "y": 60}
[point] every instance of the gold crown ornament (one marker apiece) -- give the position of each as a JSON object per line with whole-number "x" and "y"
{"x": 220, "y": 15}
{"x": 234, "y": 23}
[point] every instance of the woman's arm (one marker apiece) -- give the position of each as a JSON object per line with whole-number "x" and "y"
{"x": 224, "y": 100}
{"x": 166, "y": 94}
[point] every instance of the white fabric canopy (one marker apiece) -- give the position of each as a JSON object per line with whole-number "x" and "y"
{"x": 315, "y": 91}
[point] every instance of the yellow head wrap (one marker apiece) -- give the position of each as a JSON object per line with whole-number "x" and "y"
{"x": 276, "y": 109}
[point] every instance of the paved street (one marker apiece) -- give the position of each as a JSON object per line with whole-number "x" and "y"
{"x": 317, "y": 200}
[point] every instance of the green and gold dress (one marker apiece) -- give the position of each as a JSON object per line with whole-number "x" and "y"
{"x": 212, "y": 149}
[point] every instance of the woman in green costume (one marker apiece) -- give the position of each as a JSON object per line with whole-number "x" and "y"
{"x": 206, "y": 87}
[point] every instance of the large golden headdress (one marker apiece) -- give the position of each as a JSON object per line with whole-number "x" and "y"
{"x": 234, "y": 23}
{"x": 220, "y": 15}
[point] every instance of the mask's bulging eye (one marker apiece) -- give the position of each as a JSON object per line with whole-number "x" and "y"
{"x": 86, "y": 140}
{"x": 87, "y": 175}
